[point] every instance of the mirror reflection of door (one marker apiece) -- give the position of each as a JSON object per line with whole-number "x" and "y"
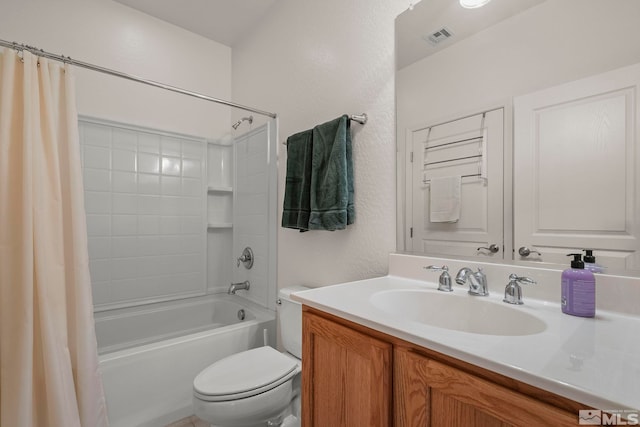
{"x": 470, "y": 148}
{"x": 575, "y": 170}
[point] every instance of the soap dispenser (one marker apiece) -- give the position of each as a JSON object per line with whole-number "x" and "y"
{"x": 590, "y": 262}
{"x": 578, "y": 289}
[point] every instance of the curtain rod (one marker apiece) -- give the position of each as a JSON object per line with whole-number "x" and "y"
{"x": 69, "y": 60}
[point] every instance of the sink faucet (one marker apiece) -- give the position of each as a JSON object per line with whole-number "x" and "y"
{"x": 477, "y": 281}
{"x": 444, "y": 283}
{"x": 238, "y": 286}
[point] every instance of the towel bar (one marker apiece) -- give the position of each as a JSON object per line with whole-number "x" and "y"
{"x": 358, "y": 118}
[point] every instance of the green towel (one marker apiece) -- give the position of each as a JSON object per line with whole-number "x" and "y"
{"x": 297, "y": 191}
{"x": 332, "y": 176}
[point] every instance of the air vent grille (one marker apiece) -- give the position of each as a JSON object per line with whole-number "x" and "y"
{"x": 439, "y": 36}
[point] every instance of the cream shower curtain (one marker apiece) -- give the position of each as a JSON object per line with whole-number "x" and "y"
{"x": 48, "y": 357}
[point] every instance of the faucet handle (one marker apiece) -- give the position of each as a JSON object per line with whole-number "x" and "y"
{"x": 522, "y": 279}
{"x": 513, "y": 290}
{"x": 444, "y": 282}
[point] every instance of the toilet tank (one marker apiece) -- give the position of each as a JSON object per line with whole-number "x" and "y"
{"x": 290, "y": 318}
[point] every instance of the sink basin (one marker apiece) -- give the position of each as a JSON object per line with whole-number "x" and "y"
{"x": 458, "y": 312}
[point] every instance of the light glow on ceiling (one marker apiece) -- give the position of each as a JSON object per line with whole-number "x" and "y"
{"x": 472, "y": 4}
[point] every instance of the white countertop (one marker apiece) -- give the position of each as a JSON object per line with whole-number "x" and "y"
{"x": 592, "y": 361}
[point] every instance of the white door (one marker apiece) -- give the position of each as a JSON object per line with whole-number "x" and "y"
{"x": 472, "y": 148}
{"x": 576, "y": 184}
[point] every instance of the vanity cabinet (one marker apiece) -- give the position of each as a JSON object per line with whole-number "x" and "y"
{"x": 356, "y": 376}
{"x": 432, "y": 393}
{"x": 346, "y": 376}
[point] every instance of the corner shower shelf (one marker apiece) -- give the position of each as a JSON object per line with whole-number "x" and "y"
{"x": 217, "y": 225}
{"x": 219, "y": 189}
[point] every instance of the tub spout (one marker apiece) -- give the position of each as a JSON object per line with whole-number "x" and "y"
{"x": 238, "y": 286}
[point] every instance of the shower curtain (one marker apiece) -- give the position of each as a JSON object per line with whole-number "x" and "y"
{"x": 48, "y": 356}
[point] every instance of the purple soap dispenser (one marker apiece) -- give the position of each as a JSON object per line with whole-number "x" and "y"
{"x": 578, "y": 289}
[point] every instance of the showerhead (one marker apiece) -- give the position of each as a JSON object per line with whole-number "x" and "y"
{"x": 239, "y": 122}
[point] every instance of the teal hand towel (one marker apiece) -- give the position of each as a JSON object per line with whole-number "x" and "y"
{"x": 297, "y": 190}
{"x": 332, "y": 176}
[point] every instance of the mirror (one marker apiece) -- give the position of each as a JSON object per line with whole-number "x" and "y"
{"x": 455, "y": 63}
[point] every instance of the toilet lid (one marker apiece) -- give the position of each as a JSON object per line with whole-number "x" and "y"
{"x": 244, "y": 374}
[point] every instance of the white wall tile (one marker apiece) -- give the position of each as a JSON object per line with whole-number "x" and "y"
{"x": 96, "y": 135}
{"x": 124, "y": 139}
{"x": 96, "y": 157}
{"x": 124, "y": 203}
{"x": 148, "y": 143}
{"x": 191, "y": 168}
{"x": 123, "y": 160}
{"x": 192, "y": 244}
{"x": 148, "y": 266}
{"x": 148, "y": 245}
{"x": 170, "y": 205}
{"x": 169, "y": 245}
{"x": 171, "y": 166}
{"x": 191, "y": 206}
{"x": 148, "y": 163}
{"x": 148, "y": 184}
{"x": 124, "y": 246}
{"x": 170, "y": 147}
{"x": 149, "y": 205}
{"x": 170, "y": 225}
{"x": 99, "y": 247}
{"x": 170, "y": 186}
{"x": 124, "y": 268}
{"x": 192, "y": 149}
{"x": 191, "y": 187}
{"x": 144, "y": 220}
{"x": 148, "y": 224}
{"x": 101, "y": 292}
{"x": 96, "y": 179}
{"x": 124, "y": 225}
{"x": 124, "y": 182}
{"x": 191, "y": 225}
{"x": 98, "y": 225}
{"x": 97, "y": 202}
{"x": 100, "y": 270}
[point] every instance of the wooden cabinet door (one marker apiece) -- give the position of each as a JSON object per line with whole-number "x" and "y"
{"x": 346, "y": 376}
{"x": 429, "y": 393}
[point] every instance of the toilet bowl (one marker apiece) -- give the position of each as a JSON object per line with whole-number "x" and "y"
{"x": 257, "y": 387}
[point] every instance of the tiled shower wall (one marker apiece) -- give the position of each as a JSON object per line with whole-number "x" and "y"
{"x": 145, "y": 199}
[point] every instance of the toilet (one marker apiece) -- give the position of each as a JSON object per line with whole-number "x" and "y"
{"x": 257, "y": 387}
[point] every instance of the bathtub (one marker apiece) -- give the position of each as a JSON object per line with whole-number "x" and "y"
{"x": 150, "y": 355}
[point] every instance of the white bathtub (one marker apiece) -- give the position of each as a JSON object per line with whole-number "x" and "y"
{"x": 149, "y": 356}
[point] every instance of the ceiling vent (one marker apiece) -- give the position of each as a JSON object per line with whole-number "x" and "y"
{"x": 439, "y": 36}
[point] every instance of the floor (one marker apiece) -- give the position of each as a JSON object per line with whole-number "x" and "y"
{"x": 191, "y": 421}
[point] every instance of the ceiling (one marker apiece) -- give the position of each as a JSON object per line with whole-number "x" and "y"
{"x": 224, "y": 21}
{"x": 414, "y": 26}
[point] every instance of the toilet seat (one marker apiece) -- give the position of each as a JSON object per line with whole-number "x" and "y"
{"x": 244, "y": 375}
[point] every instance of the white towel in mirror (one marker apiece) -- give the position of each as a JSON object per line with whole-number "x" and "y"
{"x": 444, "y": 201}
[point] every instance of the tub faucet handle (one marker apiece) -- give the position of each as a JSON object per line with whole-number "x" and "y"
{"x": 246, "y": 258}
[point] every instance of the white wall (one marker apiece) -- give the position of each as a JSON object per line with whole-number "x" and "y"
{"x": 552, "y": 43}
{"x": 311, "y": 61}
{"x": 114, "y": 36}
